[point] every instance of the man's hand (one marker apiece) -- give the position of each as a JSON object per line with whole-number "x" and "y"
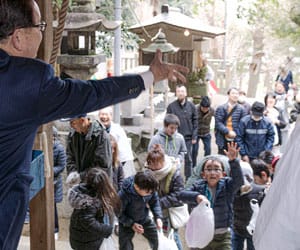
{"x": 161, "y": 70}
{"x": 138, "y": 228}
{"x": 233, "y": 150}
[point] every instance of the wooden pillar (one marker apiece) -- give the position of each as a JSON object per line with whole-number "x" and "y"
{"x": 42, "y": 205}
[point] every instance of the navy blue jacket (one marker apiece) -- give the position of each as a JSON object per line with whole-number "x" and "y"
{"x": 254, "y": 137}
{"x": 135, "y": 207}
{"x": 220, "y": 122}
{"x": 225, "y": 191}
{"x": 31, "y": 95}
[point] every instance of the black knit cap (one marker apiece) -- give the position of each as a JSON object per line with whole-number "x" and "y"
{"x": 205, "y": 102}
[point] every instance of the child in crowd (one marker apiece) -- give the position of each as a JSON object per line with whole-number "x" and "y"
{"x": 241, "y": 206}
{"x": 93, "y": 200}
{"x": 268, "y": 156}
{"x": 219, "y": 191}
{"x": 170, "y": 184}
{"x": 138, "y": 194}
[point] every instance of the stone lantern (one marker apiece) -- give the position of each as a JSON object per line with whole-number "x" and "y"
{"x": 81, "y": 25}
{"x": 162, "y": 87}
{"x": 160, "y": 42}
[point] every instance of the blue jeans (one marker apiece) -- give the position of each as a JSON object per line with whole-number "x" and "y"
{"x": 237, "y": 242}
{"x": 206, "y": 140}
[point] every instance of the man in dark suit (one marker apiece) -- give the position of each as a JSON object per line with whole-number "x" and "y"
{"x": 31, "y": 95}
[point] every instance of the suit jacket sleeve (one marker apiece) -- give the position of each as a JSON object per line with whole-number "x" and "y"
{"x": 63, "y": 98}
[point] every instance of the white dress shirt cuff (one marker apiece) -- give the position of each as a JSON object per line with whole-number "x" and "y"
{"x": 148, "y": 78}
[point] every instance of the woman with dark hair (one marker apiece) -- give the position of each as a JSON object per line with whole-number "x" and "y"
{"x": 276, "y": 117}
{"x": 92, "y": 200}
{"x": 165, "y": 170}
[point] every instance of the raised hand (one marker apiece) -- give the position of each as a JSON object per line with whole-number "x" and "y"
{"x": 233, "y": 150}
{"x": 161, "y": 70}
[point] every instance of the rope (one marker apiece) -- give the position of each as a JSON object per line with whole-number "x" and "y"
{"x": 60, "y": 28}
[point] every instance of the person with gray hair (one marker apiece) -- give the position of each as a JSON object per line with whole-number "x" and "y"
{"x": 32, "y": 95}
{"x": 105, "y": 116}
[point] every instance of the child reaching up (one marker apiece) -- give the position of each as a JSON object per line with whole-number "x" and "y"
{"x": 92, "y": 200}
{"x": 219, "y": 190}
{"x": 138, "y": 194}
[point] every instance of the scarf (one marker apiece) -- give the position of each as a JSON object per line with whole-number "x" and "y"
{"x": 163, "y": 172}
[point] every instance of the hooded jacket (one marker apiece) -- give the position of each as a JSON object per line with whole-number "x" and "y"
{"x": 87, "y": 229}
{"x": 173, "y": 145}
{"x": 135, "y": 207}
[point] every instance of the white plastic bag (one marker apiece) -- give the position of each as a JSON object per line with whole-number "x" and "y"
{"x": 200, "y": 227}
{"x": 255, "y": 209}
{"x": 179, "y": 216}
{"x": 278, "y": 219}
{"x": 108, "y": 244}
{"x": 166, "y": 243}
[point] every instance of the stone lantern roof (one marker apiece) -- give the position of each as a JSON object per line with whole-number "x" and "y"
{"x": 89, "y": 22}
{"x": 174, "y": 20}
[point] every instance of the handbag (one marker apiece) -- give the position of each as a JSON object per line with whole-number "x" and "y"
{"x": 179, "y": 216}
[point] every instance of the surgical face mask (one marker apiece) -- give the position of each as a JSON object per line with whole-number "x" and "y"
{"x": 256, "y": 118}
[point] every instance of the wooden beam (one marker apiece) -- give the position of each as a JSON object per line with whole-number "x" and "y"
{"x": 42, "y": 205}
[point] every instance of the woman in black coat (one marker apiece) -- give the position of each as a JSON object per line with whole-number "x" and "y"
{"x": 92, "y": 200}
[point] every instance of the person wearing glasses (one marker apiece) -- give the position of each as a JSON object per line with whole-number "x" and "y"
{"x": 32, "y": 95}
{"x": 219, "y": 191}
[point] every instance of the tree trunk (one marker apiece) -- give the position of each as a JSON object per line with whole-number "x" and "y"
{"x": 255, "y": 66}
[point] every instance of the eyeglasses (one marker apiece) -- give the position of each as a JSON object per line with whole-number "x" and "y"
{"x": 210, "y": 170}
{"x": 42, "y": 27}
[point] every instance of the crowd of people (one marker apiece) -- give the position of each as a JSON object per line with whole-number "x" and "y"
{"x": 105, "y": 198}
{"x": 249, "y": 145}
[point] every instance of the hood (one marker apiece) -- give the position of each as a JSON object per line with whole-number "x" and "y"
{"x": 79, "y": 198}
{"x": 128, "y": 186}
{"x": 162, "y": 133}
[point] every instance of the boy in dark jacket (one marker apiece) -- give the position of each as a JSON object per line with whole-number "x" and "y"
{"x": 138, "y": 194}
{"x": 242, "y": 208}
{"x": 219, "y": 191}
